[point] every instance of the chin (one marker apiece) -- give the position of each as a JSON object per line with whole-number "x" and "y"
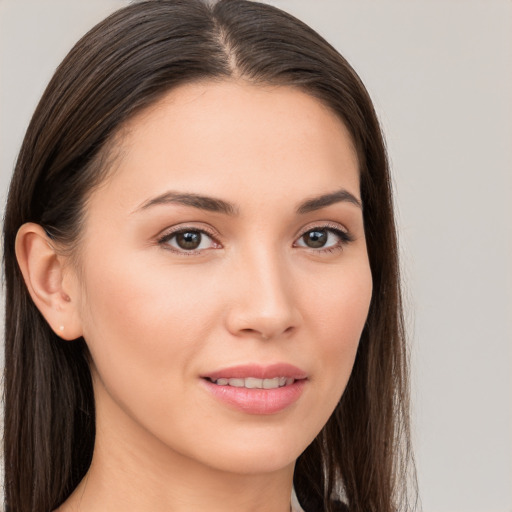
{"x": 250, "y": 462}
{"x": 253, "y": 451}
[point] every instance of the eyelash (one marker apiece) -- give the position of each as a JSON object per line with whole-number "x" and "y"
{"x": 163, "y": 241}
{"x": 344, "y": 239}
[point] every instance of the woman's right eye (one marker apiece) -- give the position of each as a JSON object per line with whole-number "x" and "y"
{"x": 189, "y": 241}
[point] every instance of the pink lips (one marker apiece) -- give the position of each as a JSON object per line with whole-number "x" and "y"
{"x": 257, "y": 400}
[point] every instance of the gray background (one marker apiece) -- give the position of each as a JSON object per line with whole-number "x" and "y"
{"x": 440, "y": 73}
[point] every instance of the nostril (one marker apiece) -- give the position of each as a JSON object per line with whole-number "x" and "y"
{"x": 265, "y": 335}
{"x": 256, "y": 333}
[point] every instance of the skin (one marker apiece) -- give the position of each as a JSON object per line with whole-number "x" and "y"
{"x": 157, "y": 317}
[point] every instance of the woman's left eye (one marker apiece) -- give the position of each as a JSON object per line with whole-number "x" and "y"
{"x": 324, "y": 238}
{"x": 189, "y": 240}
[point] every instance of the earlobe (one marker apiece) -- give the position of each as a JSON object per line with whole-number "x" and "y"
{"x": 43, "y": 271}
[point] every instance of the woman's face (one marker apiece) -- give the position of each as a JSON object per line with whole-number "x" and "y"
{"x": 224, "y": 278}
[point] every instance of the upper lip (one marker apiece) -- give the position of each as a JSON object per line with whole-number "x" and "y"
{"x": 257, "y": 371}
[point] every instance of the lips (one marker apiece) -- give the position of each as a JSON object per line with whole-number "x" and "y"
{"x": 256, "y": 389}
{"x": 258, "y": 372}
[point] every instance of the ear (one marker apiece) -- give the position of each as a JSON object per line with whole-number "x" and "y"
{"x": 43, "y": 271}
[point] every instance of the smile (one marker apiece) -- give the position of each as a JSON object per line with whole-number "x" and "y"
{"x": 256, "y": 389}
{"x": 255, "y": 383}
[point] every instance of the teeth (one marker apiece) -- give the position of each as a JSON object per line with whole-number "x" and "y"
{"x": 271, "y": 383}
{"x": 237, "y": 383}
{"x": 254, "y": 383}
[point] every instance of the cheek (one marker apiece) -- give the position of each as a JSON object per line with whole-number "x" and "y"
{"x": 338, "y": 303}
{"x": 147, "y": 325}
{"x": 143, "y": 325}
{"x": 339, "y": 311}
{"x": 140, "y": 297}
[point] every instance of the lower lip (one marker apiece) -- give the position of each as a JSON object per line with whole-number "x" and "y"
{"x": 258, "y": 401}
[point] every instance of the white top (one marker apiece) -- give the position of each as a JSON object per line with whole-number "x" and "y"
{"x": 295, "y": 503}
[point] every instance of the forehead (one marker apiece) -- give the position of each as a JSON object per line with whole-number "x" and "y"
{"x": 228, "y": 137}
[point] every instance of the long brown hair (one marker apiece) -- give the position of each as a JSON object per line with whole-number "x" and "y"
{"x": 123, "y": 65}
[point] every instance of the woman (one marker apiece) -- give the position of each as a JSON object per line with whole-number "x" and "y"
{"x": 203, "y": 305}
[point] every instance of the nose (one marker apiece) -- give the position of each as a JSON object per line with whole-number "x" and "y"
{"x": 263, "y": 304}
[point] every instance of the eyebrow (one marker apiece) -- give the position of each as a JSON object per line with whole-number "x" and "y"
{"x": 207, "y": 203}
{"x": 324, "y": 200}
{"x": 213, "y": 204}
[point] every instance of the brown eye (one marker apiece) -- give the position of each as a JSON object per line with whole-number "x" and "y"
{"x": 315, "y": 238}
{"x": 324, "y": 239}
{"x": 188, "y": 240}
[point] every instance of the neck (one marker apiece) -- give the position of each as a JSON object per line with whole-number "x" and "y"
{"x": 133, "y": 471}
